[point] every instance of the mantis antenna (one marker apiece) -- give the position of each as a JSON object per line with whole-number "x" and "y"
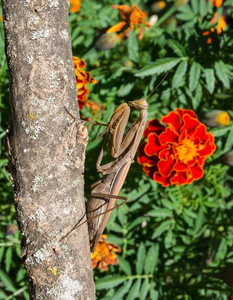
{"x": 157, "y": 85}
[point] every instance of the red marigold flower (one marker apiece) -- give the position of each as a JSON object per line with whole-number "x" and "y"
{"x": 104, "y": 255}
{"x": 75, "y": 5}
{"x": 133, "y": 17}
{"x": 82, "y": 79}
{"x": 176, "y": 154}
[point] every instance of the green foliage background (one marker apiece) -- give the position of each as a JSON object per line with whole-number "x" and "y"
{"x": 176, "y": 242}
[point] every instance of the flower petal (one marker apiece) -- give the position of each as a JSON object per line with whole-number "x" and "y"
{"x": 197, "y": 172}
{"x": 169, "y": 136}
{"x": 117, "y": 27}
{"x": 153, "y": 144}
{"x": 173, "y": 119}
{"x": 166, "y": 166}
{"x": 143, "y": 159}
{"x": 179, "y": 178}
{"x": 190, "y": 124}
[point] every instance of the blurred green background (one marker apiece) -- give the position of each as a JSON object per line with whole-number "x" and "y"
{"x": 176, "y": 242}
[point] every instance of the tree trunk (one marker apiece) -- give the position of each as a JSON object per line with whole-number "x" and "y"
{"x": 46, "y": 149}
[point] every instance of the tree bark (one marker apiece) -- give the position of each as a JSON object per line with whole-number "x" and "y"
{"x": 46, "y": 149}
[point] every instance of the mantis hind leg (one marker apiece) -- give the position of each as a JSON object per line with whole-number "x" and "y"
{"x": 95, "y": 233}
{"x": 97, "y": 196}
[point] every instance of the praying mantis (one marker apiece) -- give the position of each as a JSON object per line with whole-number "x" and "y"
{"x": 106, "y": 191}
{"x": 123, "y": 148}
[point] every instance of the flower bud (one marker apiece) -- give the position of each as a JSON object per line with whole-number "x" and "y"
{"x": 107, "y": 41}
{"x": 11, "y": 229}
{"x": 153, "y": 20}
{"x": 227, "y": 158}
{"x": 158, "y": 6}
{"x": 216, "y": 118}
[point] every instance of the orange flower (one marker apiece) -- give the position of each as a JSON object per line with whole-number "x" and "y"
{"x": 217, "y": 3}
{"x": 94, "y": 106}
{"x": 221, "y": 22}
{"x": 104, "y": 255}
{"x": 209, "y": 39}
{"x": 1, "y": 19}
{"x": 82, "y": 79}
{"x": 133, "y": 17}
{"x": 75, "y": 5}
{"x": 177, "y": 153}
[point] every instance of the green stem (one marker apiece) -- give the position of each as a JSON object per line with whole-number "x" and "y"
{"x": 132, "y": 277}
{"x": 165, "y": 16}
{"x": 2, "y": 134}
{"x": 17, "y": 293}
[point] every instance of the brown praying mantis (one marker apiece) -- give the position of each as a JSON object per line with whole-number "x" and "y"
{"x": 123, "y": 148}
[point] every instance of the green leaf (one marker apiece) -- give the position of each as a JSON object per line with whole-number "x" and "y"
{"x": 196, "y": 100}
{"x": 211, "y": 204}
{"x": 122, "y": 291}
{"x": 222, "y": 72}
{"x": 133, "y": 46}
{"x": 178, "y": 78}
{"x": 199, "y": 222}
{"x": 134, "y": 292}
{"x": 109, "y": 282}
{"x": 222, "y": 250}
{"x": 125, "y": 89}
{"x": 194, "y": 4}
{"x": 154, "y": 294}
{"x": 3, "y": 295}
{"x": 2, "y": 250}
{"x": 8, "y": 258}
{"x": 144, "y": 290}
{"x": 158, "y": 67}
{"x": 161, "y": 228}
{"x": 194, "y": 75}
{"x": 229, "y": 142}
{"x": 169, "y": 240}
{"x": 186, "y": 13}
{"x": 135, "y": 223}
{"x": 9, "y": 286}
{"x": 160, "y": 212}
{"x": 140, "y": 258}
{"x": 177, "y": 47}
{"x": 124, "y": 265}
{"x": 221, "y": 130}
{"x": 122, "y": 213}
{"x": 151, "y": 259}
{"x": 26, "y": 295}
{"x": 210, "y": 79}
{"x": 202, "y": 8}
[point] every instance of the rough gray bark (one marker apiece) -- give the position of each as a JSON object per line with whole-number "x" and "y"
{"x": 46, "y": 149}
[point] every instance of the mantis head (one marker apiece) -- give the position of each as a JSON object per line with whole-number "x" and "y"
{"x": 140, "y": 104}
